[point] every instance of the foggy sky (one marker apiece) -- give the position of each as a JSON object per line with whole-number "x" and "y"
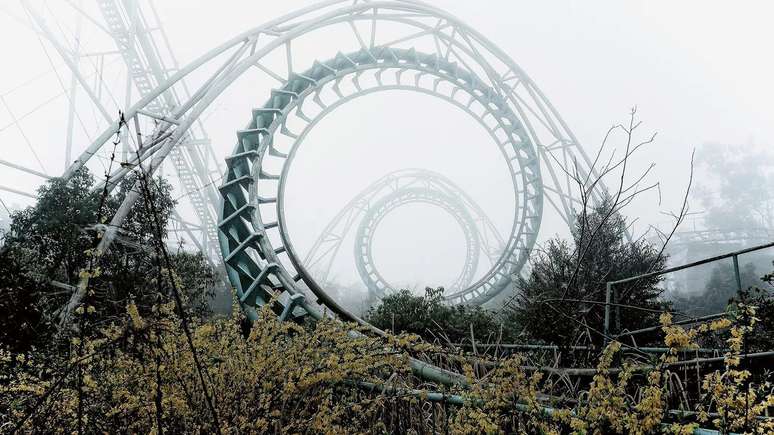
{"x": 698, "y": 71}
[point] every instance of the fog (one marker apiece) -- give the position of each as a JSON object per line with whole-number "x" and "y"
{"x": 699, "y": 73}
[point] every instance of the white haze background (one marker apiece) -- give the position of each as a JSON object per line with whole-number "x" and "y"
{"x": 698, "y": 72}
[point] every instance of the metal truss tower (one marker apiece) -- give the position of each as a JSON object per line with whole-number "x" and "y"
{"x": 142, "y": 45}
{"x": 140, "y": 51}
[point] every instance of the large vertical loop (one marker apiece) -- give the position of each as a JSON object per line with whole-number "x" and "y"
{"x": 367, "y": 69}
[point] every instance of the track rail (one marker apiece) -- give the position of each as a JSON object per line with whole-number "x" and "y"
{"x": 539, "y": 137}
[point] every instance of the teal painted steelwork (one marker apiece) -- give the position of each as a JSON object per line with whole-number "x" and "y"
{"x": 244, "y": 240}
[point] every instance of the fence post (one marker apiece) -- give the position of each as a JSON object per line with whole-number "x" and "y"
{"x": 736, "y": 275}
{"x": 607, "y": 312}
{"x": 617, "y": 312}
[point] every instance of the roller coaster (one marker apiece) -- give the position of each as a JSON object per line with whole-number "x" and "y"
{"x": 398, "y": 45}
{"x": 240, "y": 202}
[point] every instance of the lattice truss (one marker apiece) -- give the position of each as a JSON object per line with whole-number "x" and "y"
{"x": 381, "y": 46}
{"x": 396, "y": 189}
{"x": 105, "y": 55}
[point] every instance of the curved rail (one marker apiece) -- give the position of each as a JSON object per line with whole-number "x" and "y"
{"x": 320, "y": 257}
{"x": 248, "y": 234}
{"x": 364, "y": 260}
{"x": 528, "y": 129}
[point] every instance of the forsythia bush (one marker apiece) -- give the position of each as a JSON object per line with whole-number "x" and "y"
{"x": 282, "y": 378}
{"x": 140, "y": 377}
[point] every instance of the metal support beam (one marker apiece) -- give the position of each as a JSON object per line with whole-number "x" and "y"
{"x": 65, "y": 55}
{"x": 18, "y": 192}
{"x": 24, "y": 169}
{"x": 736, "y": 274}
{"x": 734, "y": 255}
{"x": 159, "y": 117}
{"x": 72, "y": 94}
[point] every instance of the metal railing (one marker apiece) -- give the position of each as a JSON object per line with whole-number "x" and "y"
{"x": 611, "y": 297}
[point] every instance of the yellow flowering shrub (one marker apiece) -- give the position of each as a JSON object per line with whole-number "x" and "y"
{"x": 283, "y": 377}
{"x": 139, "y": 376}
{"x": 504, "y": 400}
{"x": 737, "y": 402}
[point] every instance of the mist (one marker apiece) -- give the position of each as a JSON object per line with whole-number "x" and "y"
{"x": 693, "y": 70}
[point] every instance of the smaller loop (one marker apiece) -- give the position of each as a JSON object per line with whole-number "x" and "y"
{"x": 374, "y": 281}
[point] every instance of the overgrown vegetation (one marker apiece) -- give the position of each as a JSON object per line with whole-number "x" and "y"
{"x": 431, "y": 318}
{"x": 137, "y": 375}
{"x": 50, "y": 245}
{"x": 133, "y": 359}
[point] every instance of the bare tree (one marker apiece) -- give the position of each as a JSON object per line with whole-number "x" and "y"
{"x": 603, "y": 248}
